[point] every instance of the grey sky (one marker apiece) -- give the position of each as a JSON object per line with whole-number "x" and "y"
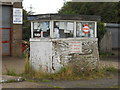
{"x": 43, "y": 6}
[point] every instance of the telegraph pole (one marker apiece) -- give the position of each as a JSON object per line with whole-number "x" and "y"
{"x": 31, "y": 10}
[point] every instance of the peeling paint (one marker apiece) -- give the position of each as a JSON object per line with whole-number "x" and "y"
{"x": 54, "y": 54}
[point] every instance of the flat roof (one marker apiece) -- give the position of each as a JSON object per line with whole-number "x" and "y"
{"x": 11, "y": 0}
{"x": 63, "y": 17}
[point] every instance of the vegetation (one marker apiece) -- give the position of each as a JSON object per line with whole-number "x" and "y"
{"x": 26, "y": 26}
{"x": 69, "y": 73}
{"x": 103, "y": 55}
{"x": 107, "y": 10}
{"x": 10, "y": 72}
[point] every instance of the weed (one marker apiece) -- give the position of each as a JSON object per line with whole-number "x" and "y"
{"x": 28, "y": 68}
{"x": 72, "y": 71}
{"x": 10, "y": 72}
{"x": 11, "y": 81}
{"x": 46, "y": 80}
{"x": 54, "y": 86}
{"x": 30, "y": 80}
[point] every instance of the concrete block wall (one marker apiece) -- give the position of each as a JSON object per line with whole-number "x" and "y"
{"x": 17, "y": 35}
{"x": 52, "y": 54}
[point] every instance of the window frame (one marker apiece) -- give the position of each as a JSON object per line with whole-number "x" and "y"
{"x": 51, "y": 26}
{"x": 95, "y": 28}
{"x": 32, "y": 27}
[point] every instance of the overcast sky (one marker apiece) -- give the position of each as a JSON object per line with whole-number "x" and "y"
{"x": 43, "y": 6}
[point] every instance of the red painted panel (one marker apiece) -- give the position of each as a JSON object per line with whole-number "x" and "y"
{"x": 4, "y": 28}
{"x": 5, "y": 41}
{"x": 8, "y": 41}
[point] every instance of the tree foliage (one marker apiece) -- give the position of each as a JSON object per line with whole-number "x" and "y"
{"x": 26, "y": 26}
{"x": 107, "y": 10}
{"x": 100, "y": 30}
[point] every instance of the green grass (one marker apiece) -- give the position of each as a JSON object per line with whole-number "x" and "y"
{"x": 103, "y": 55}
{"x": 11, "y": 72}
{"x": 51, "y": 86}
{"x": 46, "y": 80}
{"x": 70, "y": 72}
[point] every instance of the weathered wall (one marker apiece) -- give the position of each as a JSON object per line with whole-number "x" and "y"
{"x": 41, "y": 54}
{"x": 115, "y": 33}
{"x": 106, "y": 42}
{"x": 52, "y": 54}
{"x": 17, "y": 35}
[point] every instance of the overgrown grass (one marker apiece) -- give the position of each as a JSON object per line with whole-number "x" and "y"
{"x": 29, "y": 72}
{"x": 69, "y": 72}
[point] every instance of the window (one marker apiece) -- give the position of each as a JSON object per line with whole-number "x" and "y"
{"x": 41, "y": 29}
{"x": 63, "y": 29}
{"x": 85, "y": 29}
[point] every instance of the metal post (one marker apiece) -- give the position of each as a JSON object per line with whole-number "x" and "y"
{"x": 51, "y": 29}
{"x": 74, "y": 29}
{"x": 31, "y": 29}
{"x": 96, "y": 29}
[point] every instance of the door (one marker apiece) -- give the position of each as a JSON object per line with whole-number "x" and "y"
{"x": 6, "y": 30}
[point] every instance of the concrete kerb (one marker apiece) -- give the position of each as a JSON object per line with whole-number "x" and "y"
{"x": 9, "y": 79}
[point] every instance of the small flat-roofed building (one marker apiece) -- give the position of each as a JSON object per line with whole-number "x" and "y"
{"x": 57, "y": 40}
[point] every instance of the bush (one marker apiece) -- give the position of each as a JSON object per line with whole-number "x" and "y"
{"x": 101, "y": 30}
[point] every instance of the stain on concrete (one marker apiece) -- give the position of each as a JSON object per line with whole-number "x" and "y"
{"x": 63, "y": 52}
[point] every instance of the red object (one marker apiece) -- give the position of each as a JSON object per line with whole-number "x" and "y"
{"x": 9, "y": 40}
{"x": 4, "y": 28}
{"x": 86, "y": 29}
{"x": 23, "y": 47}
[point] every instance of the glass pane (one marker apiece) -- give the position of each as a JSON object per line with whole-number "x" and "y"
{"x": 41, "y": 29}
{"x": 63, "y": 29}
{"x": 85, "y": 29}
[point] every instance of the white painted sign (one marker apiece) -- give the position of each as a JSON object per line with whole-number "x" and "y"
{"x": 17, "y": 16}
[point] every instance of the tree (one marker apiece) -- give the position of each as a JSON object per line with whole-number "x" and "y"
{"x": 26, "y": 26}
{"x": 107, "y": 10}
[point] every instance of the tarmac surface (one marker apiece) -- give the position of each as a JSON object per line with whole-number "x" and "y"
{"x": 15, "y": 64}
{"x": 96, "y": 83}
